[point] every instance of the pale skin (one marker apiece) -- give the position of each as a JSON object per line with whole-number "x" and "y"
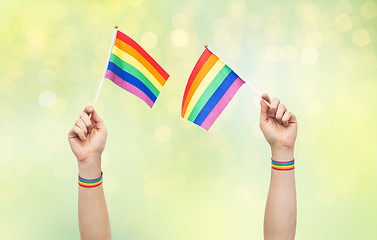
{"x": 279, "y": 126}
{"x": 87, "y": 140}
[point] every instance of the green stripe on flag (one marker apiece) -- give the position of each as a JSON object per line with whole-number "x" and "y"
{"x": 134, "y": 72}
{"x": 216, "y": 82}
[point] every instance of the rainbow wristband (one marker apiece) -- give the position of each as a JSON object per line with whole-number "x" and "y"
{"x": 90, "y": 183}
{"x": 283, "y": 166}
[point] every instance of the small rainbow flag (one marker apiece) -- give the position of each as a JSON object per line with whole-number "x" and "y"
{"x": 133, "y": 69}
{"x": 211, "y": 86}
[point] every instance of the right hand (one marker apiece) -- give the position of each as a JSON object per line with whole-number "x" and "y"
{"x": 88, "y": 138}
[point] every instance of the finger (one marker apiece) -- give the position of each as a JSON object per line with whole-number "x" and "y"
{"x": 85, "y": 118}
{"x": 266, "y": 97}
{"x": 280, "y": 112}
{"x": 292, "y": 118}
{"x": 288, "y": 118}
{"x": 71, "y": 133}
{"x": 285, "y": 119}
{"x": 88, "y": 110}
{"x": 274, "y": 106}
{"x": 97, "y": 120}
{"x": 79, "y": 123}
{"x": 77, "y": 132}
{"x": 263, "y": 111}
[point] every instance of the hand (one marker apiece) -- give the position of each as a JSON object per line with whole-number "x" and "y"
{"x": 87, "y": 140}
{"x": 279, "y": 127}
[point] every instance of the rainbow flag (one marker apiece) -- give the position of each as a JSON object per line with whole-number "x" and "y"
{"x": 133, "y": 69}
{"x": 211, "y": 86}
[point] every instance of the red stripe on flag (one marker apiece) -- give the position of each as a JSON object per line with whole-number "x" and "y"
{"x": 199, "y": 64}
{"x": 123, "y": 37}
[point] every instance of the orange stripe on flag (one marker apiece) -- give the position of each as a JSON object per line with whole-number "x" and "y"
{"x": 131, "y": 51}
{"x": 199, "y": 78}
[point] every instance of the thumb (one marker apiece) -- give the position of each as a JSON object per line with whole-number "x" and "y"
{"x": 263, "y": 111}
{"x": 264, "y": 107}
{"x": 97, "y": 120}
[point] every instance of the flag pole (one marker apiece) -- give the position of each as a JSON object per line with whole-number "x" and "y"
{"x": 107, "y": 64}
{"x": 251, "y": 87}
{"x": 257, "y": 93}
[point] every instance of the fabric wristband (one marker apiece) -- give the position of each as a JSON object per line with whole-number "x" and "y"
{"x": 283, "y": 166}
{"x": 90, "y": 183}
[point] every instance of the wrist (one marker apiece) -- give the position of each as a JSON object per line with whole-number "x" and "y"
{"x": 90, "y": 168}
{"x": 280, "y": 153}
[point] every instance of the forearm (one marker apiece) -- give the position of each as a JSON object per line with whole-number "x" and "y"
{"x": 93, "y": 215}
{"x": 281, "y": 208}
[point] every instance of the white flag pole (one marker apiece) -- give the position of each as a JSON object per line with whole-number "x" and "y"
{"x": 252, "y": 88}
{"x": 257, "y": 93}
{"x": 107, "y": 64}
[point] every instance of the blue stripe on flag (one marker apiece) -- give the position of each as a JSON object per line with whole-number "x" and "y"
{"x": 215, "y": 98}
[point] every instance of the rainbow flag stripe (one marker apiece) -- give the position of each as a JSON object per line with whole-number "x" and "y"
{"x": 211, "y": 86}
{"x": 133, "y": 69}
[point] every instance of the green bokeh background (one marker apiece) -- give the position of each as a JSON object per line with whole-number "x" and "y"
{"x": 164, "y": 177}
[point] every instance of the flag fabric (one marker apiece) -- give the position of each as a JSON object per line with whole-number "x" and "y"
{"x": 133, "y": 69}
{"x": 211, "y": 86}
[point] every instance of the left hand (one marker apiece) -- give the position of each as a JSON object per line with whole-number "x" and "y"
{"x": 279, "y": 126}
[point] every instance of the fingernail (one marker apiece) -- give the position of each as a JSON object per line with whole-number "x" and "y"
{"x": 83, "y": 138}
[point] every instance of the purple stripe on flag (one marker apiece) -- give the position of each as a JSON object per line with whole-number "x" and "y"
{"x": 128, "y": 87}
{"x": 211, "y": 118}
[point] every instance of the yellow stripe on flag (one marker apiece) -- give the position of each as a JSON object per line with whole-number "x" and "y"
{"x": 203, "y": 86}
{"x": 136, "y": 64}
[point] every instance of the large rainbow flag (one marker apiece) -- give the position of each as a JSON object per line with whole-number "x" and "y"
{"x": 133, "y": 69}
{"x": 211, "y": 86}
